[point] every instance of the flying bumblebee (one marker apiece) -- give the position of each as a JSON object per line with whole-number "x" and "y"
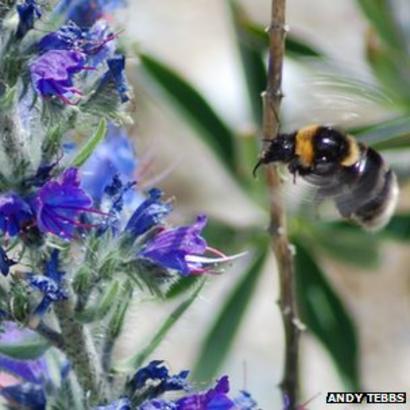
{"x": 355, "y": 176}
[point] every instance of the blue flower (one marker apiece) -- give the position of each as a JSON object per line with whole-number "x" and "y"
{"x": 58, "y": 203}
{"x": 215, "y": 398}
{"x": 66, "y": 37}
{"x": 25, "y": 389}
{"x": 53, "y": 72}
{"x": 86, "y": 12}
{"x": 158, "y": 404}
{"x": 50, "y": 285}
{"x": 245, "y": 401}
{"x": 116, "y": 73}
{"x": 96, "y": 43}
{"x": 28, "y": 12}
{"x": 15, "y": 214}
{"x": 5, "y": 262}
{"x": 158, "y": 373}
{"x": 114, "y": 156}
{"x": 26, "y": 396}
{"x": 172, "y": 248}
{"x": 121, "y": 404}
{"x": 150, "y": 213}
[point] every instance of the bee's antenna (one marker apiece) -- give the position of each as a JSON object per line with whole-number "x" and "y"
{"x": 255, "y": 168}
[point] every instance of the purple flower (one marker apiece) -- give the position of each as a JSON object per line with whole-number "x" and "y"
{"x": 121, "y": 404}
{"x": 150, "y": 213}
{"x": 114, "y": 156}
{"x": 116, "y": 73}
{"x": 66, "y": 37}
{"x": 96, "y": 43}
{"x": 158, "y": 404}
{"x": 5, "y": 262}
{"x": 58, "y": 203}
{"x": 15, "y": 213}
{"x": 52, "y": 73}
{"x": 28, "y": 12}
{"x": 173, "y": 247}
{"x": 50, "y": 285}
{"x": 156, "y": 375}
{"x": 86, "y": 12}
{"x": 245, "y": 401}
{"x": 25, "y": 386}
{"x": 214, "y": 399}
{"x": 26, "y": 396}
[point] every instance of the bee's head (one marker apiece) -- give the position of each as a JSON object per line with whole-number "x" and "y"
{"x": 280, "y": 149}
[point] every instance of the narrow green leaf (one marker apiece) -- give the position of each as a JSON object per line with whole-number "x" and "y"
{"x": 31, "y": 348}
{"x": 296, "y": 48}
{"x": 381, "y": 16}
{"x": 350, "y": 246}
{"x": 398, "y": 228}
{"x": 117, "y": 320}
{"x": 104, "y": 305}
{"x": 193, "y": 105}
{"x": 89, "y": 147}
{"x": 252, "y": 59}
{"x": 387, "y": 135}
{"x": 182, "y": 285}
{"x": 391, "y": 67}
{"x": 326, "y": 317}
{"x": 219, "y": 340}
{"x": 137, "y": 360}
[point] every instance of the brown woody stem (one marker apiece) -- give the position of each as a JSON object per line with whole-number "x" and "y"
{"x": 278, "y": 228}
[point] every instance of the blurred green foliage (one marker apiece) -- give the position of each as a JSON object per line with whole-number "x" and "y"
{"x": 322, "y": 309}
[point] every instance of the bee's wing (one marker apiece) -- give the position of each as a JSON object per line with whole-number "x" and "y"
{"x": 323, "y": 94}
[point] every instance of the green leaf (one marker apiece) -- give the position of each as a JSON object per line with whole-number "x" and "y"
{"x": 182, "y": 285}
{"x": 390, "y": 134}
{"x": 89, "y": 147}
{"x": 31, "y": 348}
{"x": 136, "y": 361}
{"x": 252, "y": 59}
{"x": 326, "y": 317}
{"x": 193, "y": 105}
{"x": 104, "y": 305}
{"x": 219, "y": 340}
{"x": 350, "y": 246}
{"x": 297, "y": 48}
{"x": 117, "y": 320}
{"x": 257, "y": 36}
{"x": 380, "y": 15}
{"x": 391, "y": 67}
{"x": 398, "y": 228}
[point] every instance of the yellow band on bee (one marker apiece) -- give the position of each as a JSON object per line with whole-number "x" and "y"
{"x": 304, "y": 144}
{"x": 353, "y": 154}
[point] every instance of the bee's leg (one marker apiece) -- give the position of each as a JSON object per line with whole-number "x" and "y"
{"x": 294, "y": 168}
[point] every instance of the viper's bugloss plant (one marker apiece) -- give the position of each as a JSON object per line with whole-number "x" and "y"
{"x": 78, "y": 235}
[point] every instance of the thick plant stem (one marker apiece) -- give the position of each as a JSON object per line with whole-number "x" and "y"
{"x": 80, "y": 350}
{"x": 278, "y": 229}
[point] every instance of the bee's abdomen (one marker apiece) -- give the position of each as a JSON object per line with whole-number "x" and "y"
{"x": 372, "y": 194}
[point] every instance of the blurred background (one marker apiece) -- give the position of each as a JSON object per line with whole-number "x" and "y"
{"x": 198, "y": 69}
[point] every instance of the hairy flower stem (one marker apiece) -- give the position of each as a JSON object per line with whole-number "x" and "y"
{"x": 278, "y": 230}
{"x": 80, "y": 350}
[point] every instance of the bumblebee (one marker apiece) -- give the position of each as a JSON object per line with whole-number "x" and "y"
{"x": 355, "y": 176}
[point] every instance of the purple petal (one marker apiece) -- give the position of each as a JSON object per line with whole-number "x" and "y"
{"x": 14, "y": 213}
{"x": 59, "y": 203}
{"x": 52, "y": 73}
{"x": 26, "y": 396}
{"x": 150, "y": 213}
{"x": 170, "y": 247}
